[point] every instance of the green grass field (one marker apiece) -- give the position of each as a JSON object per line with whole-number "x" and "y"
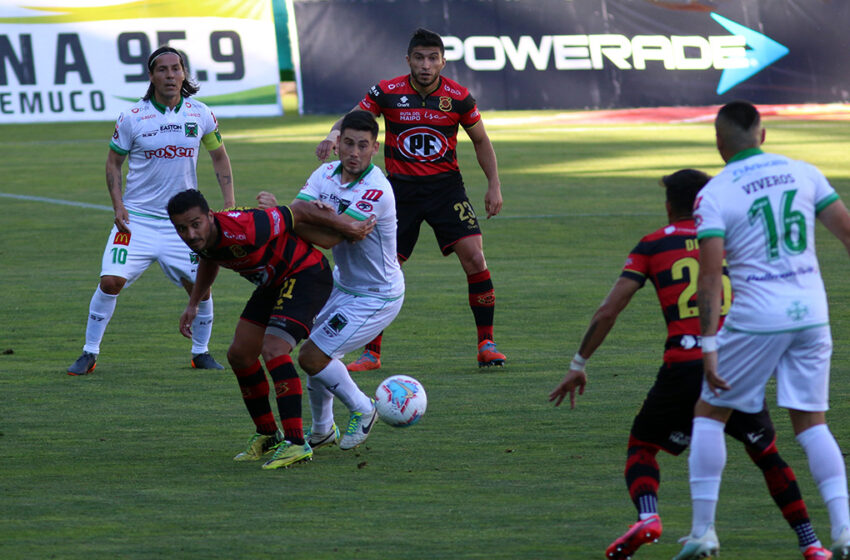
{"x": 134, "y": 461}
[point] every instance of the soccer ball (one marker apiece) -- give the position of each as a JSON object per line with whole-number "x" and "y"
{"x": 401, "y": 401}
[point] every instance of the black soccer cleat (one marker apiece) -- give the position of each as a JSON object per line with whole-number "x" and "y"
{"x": 205, "y": 361}
{"x": 84, "y": 365}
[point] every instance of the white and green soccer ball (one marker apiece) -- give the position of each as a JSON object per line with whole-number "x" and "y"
{"x": 401, "y": 401}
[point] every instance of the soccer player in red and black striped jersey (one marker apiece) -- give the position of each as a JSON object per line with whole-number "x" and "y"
{"x": 293, "y": 282}
{"x": 422, "y": 111}
{"x": 668, "y": 259}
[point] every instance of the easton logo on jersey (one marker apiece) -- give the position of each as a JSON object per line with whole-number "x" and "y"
{"x": 422, "y": 144}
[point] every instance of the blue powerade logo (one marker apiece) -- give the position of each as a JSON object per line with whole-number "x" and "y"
{"x": 739, "y": 56}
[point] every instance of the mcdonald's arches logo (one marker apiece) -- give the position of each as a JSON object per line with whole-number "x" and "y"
{"x": 121, "y": 238}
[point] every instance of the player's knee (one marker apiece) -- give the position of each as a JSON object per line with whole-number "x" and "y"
{"x": 311, "y": 359}
{"x": 111, "y": 284}
{"x": 238, "y": 358}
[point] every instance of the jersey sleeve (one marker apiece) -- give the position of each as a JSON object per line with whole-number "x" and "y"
{"x": 312, "y": 189}
{"x": 636, "y": 266}
{"x": 122, "y": 137}
{"x": 371, "y": 102}
{"x": 824, "y": 192}
{"x": 211, "y": 138}
{"x": 468, "y": 110}
{"x": 707, "y": 216}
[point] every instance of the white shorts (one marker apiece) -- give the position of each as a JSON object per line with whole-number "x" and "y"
{"x": 347, "y": 322}
{"x": 799, "y": 360}
{"x": 149, "y": 240}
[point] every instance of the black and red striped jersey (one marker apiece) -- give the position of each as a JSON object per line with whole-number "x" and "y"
{"x": 669, "y": 258}
{"x": 421, "y": 132}
{"x": 261, "y": 246}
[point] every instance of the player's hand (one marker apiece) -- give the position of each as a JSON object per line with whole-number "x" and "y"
{"x": 493, "y": 201}
{"x": 187, "y": 319}
{"x": 122, "y": 220}
{"x": 715, "y": 382}
{"x": 266, "y": 200}
{"x": 325, "y": 147}
{"x": 359, "y": 230}
{"x": 574, "y": 379}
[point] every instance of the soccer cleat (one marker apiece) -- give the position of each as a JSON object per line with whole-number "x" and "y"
{"x": 817, "y": 553}
{"x": 367, "y": 361}
{"x": 287, "y": 454}
{"x": 259, "y": 445}
{"x": 84, "y": 365}
{"x": 706, "y": 546}
{"x": 643, "y": 532}
{"x": 359, "y": 427}
{"x": 488, "y": 355}
{"x": 205, "y": 361}
{"x": 841, "y": 546}
{"x": 321, "y": 440}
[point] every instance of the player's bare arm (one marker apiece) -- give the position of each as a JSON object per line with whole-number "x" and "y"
{"x": 114, "y": 161}
{"x": 224, "y": 175}
{"x": 348, "y": 227}
{"x": 836, "y": 219}
{"x": 486, "y": 156}
{"x": 600, "y": 325}
{"x": 207, "y": 272}
{"x": 329, "y": 144}
{"x": 709, "y": 299}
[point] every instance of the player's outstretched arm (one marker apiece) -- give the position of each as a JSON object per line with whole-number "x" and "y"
{"x": 114, "y": 161}
{"x": 319, "y": 214}
{"x": 600, "y": 325}
{"x": 837, "y": 220}
{"x": 224, "y": 174}
{"x": 207, "y": 272}
{"x": 486, "y": 156}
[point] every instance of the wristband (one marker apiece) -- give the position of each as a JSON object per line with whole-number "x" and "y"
{"x": 578, "y": 362}
{"x": 708, "y": 343}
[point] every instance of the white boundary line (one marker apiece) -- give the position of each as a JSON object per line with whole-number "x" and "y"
{"x": 528, "y": 217}
{"x": 56, "y": 201}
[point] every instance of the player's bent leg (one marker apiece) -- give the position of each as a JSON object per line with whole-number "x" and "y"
{"x": 101, "y": 309}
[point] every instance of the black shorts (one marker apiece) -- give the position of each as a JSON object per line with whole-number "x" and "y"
{"x": 289, "y": 309}
{"x": 666, "y": 417}
{"x": 442, "y": 203}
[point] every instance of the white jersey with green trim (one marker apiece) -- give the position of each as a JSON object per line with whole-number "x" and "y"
{"x": 163, "y": 146}
{"x": 764, "y": 206}
{"x": 370, "y": 267}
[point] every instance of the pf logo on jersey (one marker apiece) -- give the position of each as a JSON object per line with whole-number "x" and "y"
{"x": 422, "y": 144}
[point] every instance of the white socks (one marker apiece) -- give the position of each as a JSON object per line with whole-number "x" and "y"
{"x": 337, "y": 380}
{"x": 202, "y": 327}
{"x": 706, "y": 462}
{"x": 101, "y": 308}
{"x": 321, "y": 405}
{"x": 827, "y": 467}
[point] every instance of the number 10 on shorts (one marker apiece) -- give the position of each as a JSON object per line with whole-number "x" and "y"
{"x": 119, "y": 255}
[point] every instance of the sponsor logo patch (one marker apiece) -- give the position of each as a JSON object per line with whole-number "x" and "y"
{"x": 121, "y": 238}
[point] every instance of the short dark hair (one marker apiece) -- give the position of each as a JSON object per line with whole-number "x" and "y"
{"x": 741, "y": 113}
{"x": 424, "y": 38}
{"x": 360, "y": 120}
{"x": 187, "y": 88}
{"x": 185, "y": 201}
{"x": 682, "y": 188}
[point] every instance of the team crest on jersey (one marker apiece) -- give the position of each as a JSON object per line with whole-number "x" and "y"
{"x": 364, "y": 206}
{"x": 237, "y": 251}
{"x": 191, "y": 129}
{"x": 194, "y": 258}
{"x": 121, "y": 238}
{"x": 445, "y": 103}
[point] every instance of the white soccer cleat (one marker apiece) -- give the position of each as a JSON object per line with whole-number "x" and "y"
{"x": 359, "y": 427}
{"x": 706, "y": 546}
{"x": 841, "y": 546}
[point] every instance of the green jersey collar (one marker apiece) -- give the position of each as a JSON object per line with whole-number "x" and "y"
{"x": 162, "y": 108}
{"x": 744, "y": 154}
{"x": 338, "y": 171}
